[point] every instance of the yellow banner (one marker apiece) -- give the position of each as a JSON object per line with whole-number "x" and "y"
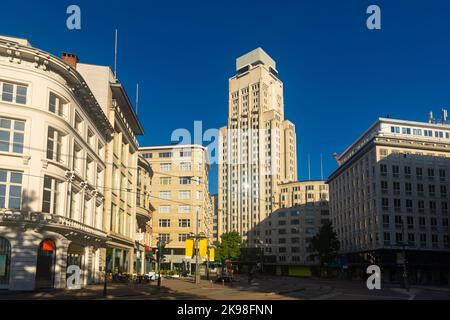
{"x": 203, "y": 247}
{"x": 189, "y": 248}
{"x": 211, "y": 254}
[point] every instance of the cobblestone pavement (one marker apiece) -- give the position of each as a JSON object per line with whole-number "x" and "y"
{"x": 261, "y": 288}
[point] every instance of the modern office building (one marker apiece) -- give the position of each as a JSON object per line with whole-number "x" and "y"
{"x": 288, "y": 230}
{"x": 257, "y": 147}
{"x": 120, "y": 219}
{"x": 53, "y": 138}
{"x": 179, "y": 193}
{"x": 389, "y": 199}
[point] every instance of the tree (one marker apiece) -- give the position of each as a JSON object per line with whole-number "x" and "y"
{"x": 325, "y": 244}
{"x": 229, "y": 247}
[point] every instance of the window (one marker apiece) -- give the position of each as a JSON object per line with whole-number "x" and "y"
{"x": 395, "y": 171}
{"x": 184, "y": 194}
{"x": 383, "y": 169}
{"x": 77, "y": 158}
{"x": 10, "y": 189}
{"x": 165, "y": 167}
{"x": 164, "y": 209}
{"x": 185, "y": 153}
{"x": 184, "y": 223}
{"x": 54, "y": 144}
{"x": 78, "y": 123}
{"x": 184, "y": 209}
{"x": 165, "y": 154}
{"x": 165, "y": 195}
{"x": 164, "y": 237}
{"x": 12, "y": 92}
{"x": 185, "y": 180}
{"x": 165, "y": 181}
{"x": 56, "y": 104}
{"x": 185, "y": 166}
{"x": 395, "y": 129}
{"x": 51, "y": 195}
{"x": 406, "y": 131}
{"x": 182, "y": 237}
{"x": 75, "y": 201}
{"x": 164, "y": 223}
{"x": 385, "y": 204}
{"x": 11, "y": 135}
{"x": 91, "y": 139}
{"x": 419, "y": 173}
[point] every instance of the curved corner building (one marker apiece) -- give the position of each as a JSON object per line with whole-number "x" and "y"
{"x": 53, "y": 135}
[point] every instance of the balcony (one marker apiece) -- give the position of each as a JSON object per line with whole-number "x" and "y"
{"x": 63, "y": 225}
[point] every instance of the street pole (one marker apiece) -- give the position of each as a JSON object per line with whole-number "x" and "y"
{"x": 207, "y": 264}
{"x": 197, "y": 269}
{"x": 159, "y": 263}
{"x": 405, "y": 270}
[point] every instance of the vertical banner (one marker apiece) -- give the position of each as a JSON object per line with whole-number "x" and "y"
{"x": 189, "y": 248}
{"x": 203, "y": 248}
{"x": 211, "y": 254}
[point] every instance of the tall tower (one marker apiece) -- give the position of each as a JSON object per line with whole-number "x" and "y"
{"x": 257, "y": 148}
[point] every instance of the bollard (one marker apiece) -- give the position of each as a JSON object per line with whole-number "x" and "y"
{"x": 223, "y": 282}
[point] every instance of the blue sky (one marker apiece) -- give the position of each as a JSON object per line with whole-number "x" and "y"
{"x": 338, "y": 75}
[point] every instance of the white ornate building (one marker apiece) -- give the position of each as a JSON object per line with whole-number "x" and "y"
{"x": 53, "y": 135}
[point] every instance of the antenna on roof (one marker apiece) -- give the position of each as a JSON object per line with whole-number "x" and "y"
{"x": 137, "y": 97}
{"x": 444, "y": 116}
{"x": 321, "y": 167}
{"x": 309, "y": 167}
{"x": 115, "y": 54}
{"x": 430, "y": 117}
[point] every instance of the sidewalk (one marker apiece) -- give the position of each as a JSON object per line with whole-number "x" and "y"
{"x": 260, "y": 289}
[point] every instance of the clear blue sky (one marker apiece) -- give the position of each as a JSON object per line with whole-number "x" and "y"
{"x": 338, "y": 75}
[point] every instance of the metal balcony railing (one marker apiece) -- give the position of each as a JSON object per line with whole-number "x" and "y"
{"x": 42, "y": 218}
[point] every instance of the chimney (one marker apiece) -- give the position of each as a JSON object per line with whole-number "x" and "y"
{"x": 70, "y": 58}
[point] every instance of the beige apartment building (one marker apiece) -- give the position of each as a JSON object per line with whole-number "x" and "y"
{"x": 144, "y": 215}
{"x": 179, "y": 193}
{"x": 257, "y": 149}
{"x": 53, "y": 138}
{"x": 288, "y": 230}
{"x": 120, "y": 219}
{"x": 389, "y": 198}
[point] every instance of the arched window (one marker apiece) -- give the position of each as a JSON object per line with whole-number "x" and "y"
{"x": 45, "y": 265}
{"x": 5, "y": 258}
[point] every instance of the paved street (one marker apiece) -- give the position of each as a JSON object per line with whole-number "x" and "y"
{"x": 262, "y": 288}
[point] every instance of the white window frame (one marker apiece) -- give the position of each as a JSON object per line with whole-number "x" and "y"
{"x": 12, "y": 134}
{"x": 14, "y": 92}
{"x": 8, "y": 184}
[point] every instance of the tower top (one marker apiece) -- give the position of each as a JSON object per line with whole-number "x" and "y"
{"x": 254, "y": 57}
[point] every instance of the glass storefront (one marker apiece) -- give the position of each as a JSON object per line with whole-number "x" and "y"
{"x": 75, "y": 255}
{"x": 117, "y": 260}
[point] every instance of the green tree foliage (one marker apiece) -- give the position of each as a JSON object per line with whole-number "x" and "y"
{"x": 229, "y": 247}
{"x": 325, "y": 244}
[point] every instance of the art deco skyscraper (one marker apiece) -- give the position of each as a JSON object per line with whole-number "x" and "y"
{"x": 257, "y": 148}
